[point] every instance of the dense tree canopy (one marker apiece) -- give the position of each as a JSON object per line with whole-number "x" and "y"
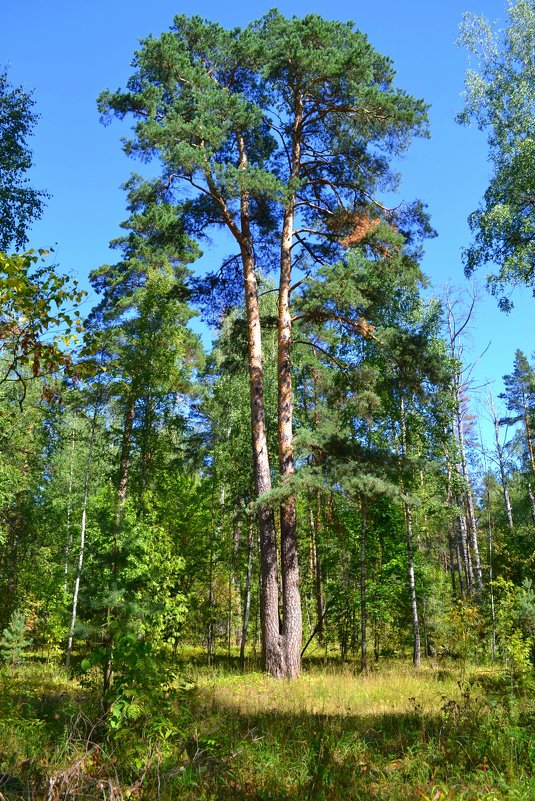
{"x": 500, "y": 99}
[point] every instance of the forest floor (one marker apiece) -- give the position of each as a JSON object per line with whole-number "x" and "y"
{"x": 442, "y": 732}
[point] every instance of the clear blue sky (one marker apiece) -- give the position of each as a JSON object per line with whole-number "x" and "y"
{"x": 69, "y": 51}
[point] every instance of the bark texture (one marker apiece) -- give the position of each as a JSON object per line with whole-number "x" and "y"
{"x": 291, "y": 599}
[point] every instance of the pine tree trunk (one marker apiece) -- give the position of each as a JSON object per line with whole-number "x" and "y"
{"x": 291, "y": 599}
{"x": 272, "y": 643}
{"x": 271, "y": 638}
{"x": 273, "y": 655}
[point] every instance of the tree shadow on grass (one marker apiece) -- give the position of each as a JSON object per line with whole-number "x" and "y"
{"x": 462, "y": 752}
{"x": 210, "y": 748}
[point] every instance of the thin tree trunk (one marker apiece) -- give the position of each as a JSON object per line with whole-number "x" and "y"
{"x": 315, "y": 566}
{"x": 416, "y": 653}
{"x": 124, "y": 463}
{"x": 122, "y": 487}
{"x": 529, "y": 439}
{"x": 210, "y": 621}
{"x": 210, "y": 635}
{"x": 363, "y": 607}
{"x": 459, "y": 554}
{"x": 316, "y": 525}
{"x": 147, "y": 456}
{"x": 460, "y": 562}
{"x": 427, "y": 649}
{"x": 81, "y": 550}
{"x": 452, "y": 538}
{"x": 233, "y": 585}
{"x": 491, "y": 581}
{"x": 68, "y": 544}
{"x": 469, "y": 498}
{"x": 501, "y": 465}
{"x": 468, "y": 529}
{"x": 452, "y": 563}
{"x": 531, "y": 501}
{"x": 462, "y": 535}
{"x": 15, "y": 530}
{"x": 229, "y": 615}
{"x": 376, "y": 649}
{"x": 247, "y": 599}
{"x": 236, "y": 581}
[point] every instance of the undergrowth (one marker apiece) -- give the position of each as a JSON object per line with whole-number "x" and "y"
{"x": 393, "y": 734}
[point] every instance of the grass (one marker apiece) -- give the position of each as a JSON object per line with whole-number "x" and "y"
{"x": 335, "y": 691}
{"x": 395, "y": 734}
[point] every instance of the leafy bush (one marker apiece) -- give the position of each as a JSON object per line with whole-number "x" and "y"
{"x": 515, "y": 627}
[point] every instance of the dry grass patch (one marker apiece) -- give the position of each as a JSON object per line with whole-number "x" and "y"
{"x": 393, "y": 690}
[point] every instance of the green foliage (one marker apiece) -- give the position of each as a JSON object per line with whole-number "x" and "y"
{"x": 132, "y": 576}
{"x": 141, "y": 680}
{"x": 140, "y": 332}
{"x": 515, "y": 627}
{"x": 465, "y": 631}
{"x": 20, "y": 204}
{"x": 14, "y": 639}
{"x": 520, "y": 390}
{"x": 205, "y": 100}
{"x": 39, "y": 319}
{"x": 500, "y": 99}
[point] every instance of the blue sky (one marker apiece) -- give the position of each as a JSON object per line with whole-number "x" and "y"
{"x": 69, "y": 51}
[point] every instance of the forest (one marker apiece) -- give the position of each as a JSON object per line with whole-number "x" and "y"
{"x": 291, "y": 564}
